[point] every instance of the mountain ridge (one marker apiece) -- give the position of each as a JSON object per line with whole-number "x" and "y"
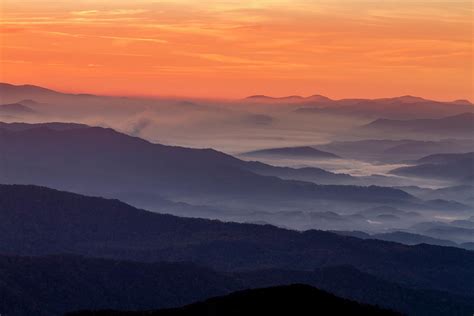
{"x": 176, "y": 170}
{"x": 300, "y": 151}
{"x": 296, "y": 299}
{"x": 53, "y": 222}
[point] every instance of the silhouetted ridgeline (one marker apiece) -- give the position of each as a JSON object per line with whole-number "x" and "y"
{"x": 295, "y": 299}
{"x": 54, "y": 285}
{"x": 52, "y": 222}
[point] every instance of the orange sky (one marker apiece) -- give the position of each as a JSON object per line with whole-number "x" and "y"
{"x": 339, "y": 48}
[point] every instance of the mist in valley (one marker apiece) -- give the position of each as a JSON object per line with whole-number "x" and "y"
{"x": 364, "y": 157}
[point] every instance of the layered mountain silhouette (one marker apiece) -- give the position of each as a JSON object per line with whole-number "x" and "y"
{"x": 292, "y": 152}
{"x": 454, "y": 167}
{"x": 64, "y": 252}
{"x": 54, "y": 285}
{"x": 402, "y": 237}
{"x": 289, "y": 100}
{"x": 388, "y": 150}
{"x": 223, "y": 257}
{"x": 459, "y": 231}
{"x": 461, "y": 124}
{"x": 462, "y": 193}
{"x": 53, "y": 222}
{"x": 307, "y": 174}
{"x": 56, "y": 126}
{"x": 405, "y": 107}
{"x": 297, "y": 299}
{"x": 15, "y": 108}
{"x": 104, "y": 162}
{"x": 13, "y": 93}
{"x": 32, "y": 286}
{"x": 446, "y": 158}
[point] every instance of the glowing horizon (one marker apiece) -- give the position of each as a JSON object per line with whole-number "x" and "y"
{"x": 233, "y": 49}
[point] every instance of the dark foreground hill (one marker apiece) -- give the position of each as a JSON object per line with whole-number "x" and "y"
{"x": 294, "y": 299}
{"x": 54, "y": 285}
{"x": 41, "y": 221}
{"x": 45, "y": 286}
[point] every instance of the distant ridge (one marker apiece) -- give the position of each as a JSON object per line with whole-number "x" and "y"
{"x": 5, "y": 87}
{"x": 404, "y": 99}
{"x": 462, "y": 101}
{"x": 286, "y": 99}
{"x": 460, "y": 123}
{"x": 57, "y": 126}
{"x": 15, "y": 108}
{"x": 454, "y": 167}
{"x": 292, "y": 152}
{"x": 10, "y": 93}
{"x": 20, "y": 92}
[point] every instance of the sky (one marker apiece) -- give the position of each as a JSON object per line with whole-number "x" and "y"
{"x": 232, "y": 49}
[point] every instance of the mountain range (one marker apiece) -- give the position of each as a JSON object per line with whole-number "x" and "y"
{"x": 453, "y": 167}
{"x": 222, "y": 257}
{"x": 403, "y": 107}
{"x": 457, "y": 125}
{"x": 104, "y": 162}
{"x": 206, "y": 230}
{"x": 51, "y": 222}
{"x": 395, "y": 150}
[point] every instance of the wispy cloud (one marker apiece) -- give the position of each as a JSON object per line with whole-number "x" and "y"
{"x": 109, "y": 12}
{"x": 118, "y": 38}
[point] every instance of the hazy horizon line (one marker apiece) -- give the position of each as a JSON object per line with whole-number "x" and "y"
{"x": 216, "y": 98}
